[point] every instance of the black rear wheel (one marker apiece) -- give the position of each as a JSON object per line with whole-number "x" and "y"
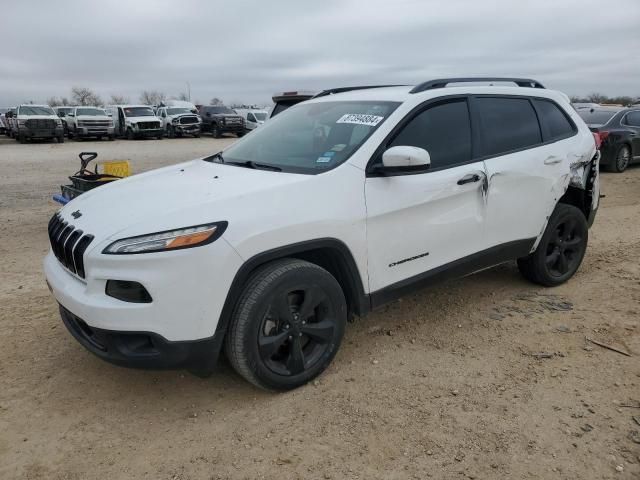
{"x": 622, "y": 160}
{"x": 561, "y": 249}
{"x": 287, "y": 326}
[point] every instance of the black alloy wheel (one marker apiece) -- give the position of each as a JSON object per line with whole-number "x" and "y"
{"x": 623, "y": 158}
{"x": 287, "y": 325}
{"x": 297, "y": 330}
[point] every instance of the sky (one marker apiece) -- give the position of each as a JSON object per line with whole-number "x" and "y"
{"x": 245, "y": 50}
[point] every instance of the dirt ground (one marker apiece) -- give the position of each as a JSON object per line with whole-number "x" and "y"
{"x": 485, "y": 377}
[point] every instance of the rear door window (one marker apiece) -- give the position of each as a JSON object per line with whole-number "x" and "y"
{"x": 555, "y": 123}
{"x": 633, "y": 119}
{"x": 507, "y": 124}
{"x": 443, "y": 130}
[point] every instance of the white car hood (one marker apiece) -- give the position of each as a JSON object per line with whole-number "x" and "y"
{"x": 38, "y": 117}
{"x": 93, "y": 117}
{"x": 142, "y": 119}
{"x": 182, "y": 195}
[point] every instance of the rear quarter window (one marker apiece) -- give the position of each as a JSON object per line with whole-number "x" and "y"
{"x": 507, "y": 124}
{"x": 554, "y": 122}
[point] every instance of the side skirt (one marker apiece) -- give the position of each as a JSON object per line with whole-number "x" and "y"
{"x": 456, "y": 269}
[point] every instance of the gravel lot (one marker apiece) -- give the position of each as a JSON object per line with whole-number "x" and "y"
{"x": 443, "y": 384}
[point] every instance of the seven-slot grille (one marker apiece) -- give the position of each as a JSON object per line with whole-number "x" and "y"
{"x": 68, "y": 244}
{"x": 188, "y": 120}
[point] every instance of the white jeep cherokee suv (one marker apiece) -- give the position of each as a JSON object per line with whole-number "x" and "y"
{"x": 331, "y": 209}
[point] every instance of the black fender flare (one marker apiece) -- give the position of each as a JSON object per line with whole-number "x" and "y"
{"x": 360, "y": 300}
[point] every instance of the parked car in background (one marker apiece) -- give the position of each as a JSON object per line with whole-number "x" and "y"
{"x": 135, "y": 121}
{"x": 284, "y": 100}
{"x": 619, "y": 131}
{"x": 3, "y": 122}
{"x": 86, "y": 122}
{"x": 9, "y": 121}
{"x": 218, "y": 119}
{"x": 37, "y": 122}
{"x": 341, "y": 205}
{"x": 62, "y": 112}
{"x": 179, "y": 121}
{"x": 253, "y": 118}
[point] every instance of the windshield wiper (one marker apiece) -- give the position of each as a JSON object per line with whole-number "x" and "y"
{"x": 254, "y": 165}
{"x": 215, "y": 158}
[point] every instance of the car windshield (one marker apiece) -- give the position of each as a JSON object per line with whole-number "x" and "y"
{"x": 220, "y": 110}
{"x": 309, "y": 138}
{"x": 260, "y": 116}
{"x": 94, "y": 112}
{"x": 33, "y": 110}
{"x": 596, "y": 117}
{"x": 178, "y": 111}
{"x": 138, "y": 112}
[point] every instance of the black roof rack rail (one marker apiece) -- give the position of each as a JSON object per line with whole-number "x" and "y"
{"x": 443, "y": 82}
{"x": 332, "y": 91}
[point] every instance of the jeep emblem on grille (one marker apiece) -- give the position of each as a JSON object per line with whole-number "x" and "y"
{"x": 76, "y": 214}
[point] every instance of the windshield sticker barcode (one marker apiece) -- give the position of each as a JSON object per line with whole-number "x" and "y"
{"x": 360, "y": 119}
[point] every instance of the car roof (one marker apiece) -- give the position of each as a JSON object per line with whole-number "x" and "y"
{"x": 403, "y": 93}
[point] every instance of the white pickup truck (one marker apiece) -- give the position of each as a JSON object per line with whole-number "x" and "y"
{"x": 84, "y": 122}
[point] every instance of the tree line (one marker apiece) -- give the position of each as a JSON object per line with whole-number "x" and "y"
{"x": 86, "y": 97}
{"x": 601, "y": 98}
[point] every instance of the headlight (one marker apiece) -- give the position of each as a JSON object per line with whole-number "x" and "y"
{"x": 59, "y": 122}
{"x": 174, "y": 120}
{"x": 168, "y": 240}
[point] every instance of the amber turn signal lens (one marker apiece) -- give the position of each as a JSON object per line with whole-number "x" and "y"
{"x": 191, "y": 239}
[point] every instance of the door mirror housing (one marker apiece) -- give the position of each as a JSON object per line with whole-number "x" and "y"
{"x": 405, "y": 159}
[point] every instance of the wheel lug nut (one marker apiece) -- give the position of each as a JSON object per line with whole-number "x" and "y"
{"x": 300, "y": 334}
{"x": 290, "y": 337}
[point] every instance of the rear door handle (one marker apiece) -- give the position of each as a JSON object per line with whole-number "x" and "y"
{"x": 552, "y": 160}
{"x": 470, "y": 178}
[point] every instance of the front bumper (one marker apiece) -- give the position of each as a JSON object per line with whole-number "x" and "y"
{"x": 40, "y": 132}
{"x": 189, "y": 129}
{"x": 94, "y": 131}
{"x": 236, "y": 128}
{"x": 144, "y": 349}
{"x": 151, "y": 132}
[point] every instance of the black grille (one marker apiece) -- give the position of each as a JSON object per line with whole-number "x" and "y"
{"x": 94, "y": 123}
{"x": 40, "y": 123}
{"x": 148, "y": 125}
{"x": 68, "y": 244}
{"x": 188, "y": 120}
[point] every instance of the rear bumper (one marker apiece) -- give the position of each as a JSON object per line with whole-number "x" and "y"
{"x": 144, "y": 349}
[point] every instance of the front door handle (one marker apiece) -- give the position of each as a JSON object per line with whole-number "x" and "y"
{"x": 470, "y": 178}
{"x": 552, "y": 160}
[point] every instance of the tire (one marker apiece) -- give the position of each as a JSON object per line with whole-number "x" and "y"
{"x": 196, "y": 135}
{"x": 271, "y": 342}
{"x": 160, "y": 137}
{"x": 561, "y": 249}
{"x": 130, "y": 135}
{"x": 111, "y": 138}
{"x": 171, "y": 132}
{"x": 61, "y": 139}
{"x": 215, "y": 131}
{"x": 621, "y": 160}
{"x": 240, "y": 134}
{"x": 21, "y": 138}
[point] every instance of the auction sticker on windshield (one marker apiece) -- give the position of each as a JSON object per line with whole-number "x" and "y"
{"x": 360, "y": 119}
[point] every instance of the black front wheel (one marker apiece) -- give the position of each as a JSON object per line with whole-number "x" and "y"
{"x": 130, "y": 135}
{"x": 561, "y": 249}
{"x": 287, "y": 326}
{"x": 215, "y": 131}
